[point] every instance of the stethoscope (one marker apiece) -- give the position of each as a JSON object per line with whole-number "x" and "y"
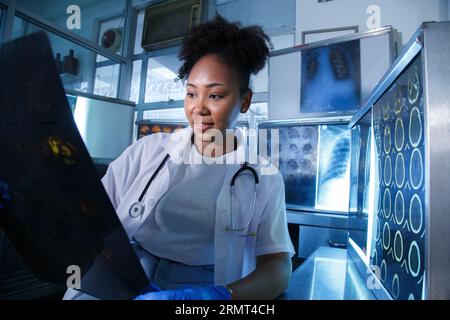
{"x": 137, "y": 209}
{"x": 237, "y": 230}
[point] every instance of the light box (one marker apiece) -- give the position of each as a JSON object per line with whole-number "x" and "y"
{"x": 404, "y": 130}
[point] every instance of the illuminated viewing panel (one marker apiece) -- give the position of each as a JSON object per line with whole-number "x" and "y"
{"x": 315, "y": 163}
{"x": 400, "y": 220}
{"x": 362, "y": 178}
{"x": 387, "y": 202}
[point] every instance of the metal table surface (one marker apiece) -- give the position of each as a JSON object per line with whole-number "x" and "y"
{"x": 328, "y": 274}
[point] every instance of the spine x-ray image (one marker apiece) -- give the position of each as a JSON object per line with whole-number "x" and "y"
{"x": 334, "y": 164}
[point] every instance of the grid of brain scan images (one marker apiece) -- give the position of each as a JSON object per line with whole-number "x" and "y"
{"x": 314, "y": 161}
{"x": 399, "y": 200}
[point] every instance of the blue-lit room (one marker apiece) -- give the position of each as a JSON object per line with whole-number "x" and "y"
{"x": 224, "y": 150}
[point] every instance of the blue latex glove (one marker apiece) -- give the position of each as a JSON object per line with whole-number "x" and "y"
{"x": 189, "y": 293}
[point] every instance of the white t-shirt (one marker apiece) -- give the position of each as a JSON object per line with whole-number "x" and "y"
{"x": 181, "y": 225}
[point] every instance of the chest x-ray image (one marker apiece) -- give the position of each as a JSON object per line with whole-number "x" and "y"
{"x": 331, "y": 78}
{"x": 334, "y": 168}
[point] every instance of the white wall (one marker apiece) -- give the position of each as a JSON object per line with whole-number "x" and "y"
{"x": 404, "y": 15}
{"x": 275, "y": 16}
{"x": 105, "y": 127}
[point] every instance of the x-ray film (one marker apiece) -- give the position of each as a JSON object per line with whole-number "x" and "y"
{"x": 334, "y": 168}
{"x": 53, "y": 207}
{"x": 314, "y": 162}
{"x": 331, "y": 78}
{"x": 400, "y": 223}
{"x": 298, "y": 164}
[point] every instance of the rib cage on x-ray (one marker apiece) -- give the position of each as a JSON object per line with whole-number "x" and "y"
{"x": 334, "y": 158}
{"x": 330, "y": 78}
{"x": 337, "y": 165}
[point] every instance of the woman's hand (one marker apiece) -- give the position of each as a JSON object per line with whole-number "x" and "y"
{"x": 269, "y": 279}
{"x": 189, "y": 293}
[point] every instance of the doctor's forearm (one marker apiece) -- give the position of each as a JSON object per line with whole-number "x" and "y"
{"x": 268, "y": 281}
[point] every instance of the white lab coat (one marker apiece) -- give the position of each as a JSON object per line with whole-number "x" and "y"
{"x": 235, "y": 256}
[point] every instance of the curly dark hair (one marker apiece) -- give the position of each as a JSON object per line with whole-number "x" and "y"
{"x": 244, "y": 49}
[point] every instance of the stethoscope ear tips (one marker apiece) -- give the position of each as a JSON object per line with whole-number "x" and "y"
{"x": 136, "y": 210}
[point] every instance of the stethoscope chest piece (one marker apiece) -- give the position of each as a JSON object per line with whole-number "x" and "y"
{"x": 136, "y": 210}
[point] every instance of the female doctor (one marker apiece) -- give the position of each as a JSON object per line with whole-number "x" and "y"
{"x": 196, "y": 237}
